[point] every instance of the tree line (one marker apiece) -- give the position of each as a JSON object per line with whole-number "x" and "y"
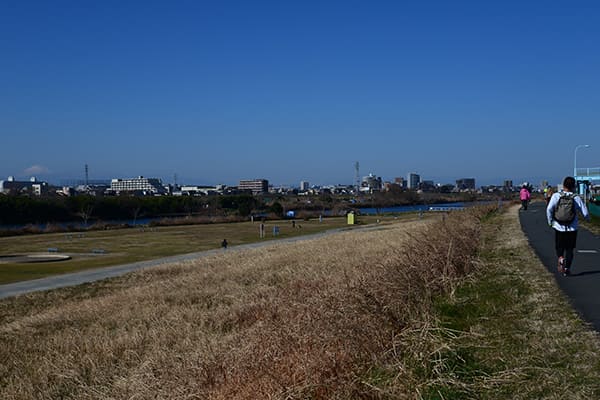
{"x": 19, "y": 210}
{"x": 38, "y": 210}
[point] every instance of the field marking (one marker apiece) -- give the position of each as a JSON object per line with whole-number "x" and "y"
{"x": 588, "y": 251}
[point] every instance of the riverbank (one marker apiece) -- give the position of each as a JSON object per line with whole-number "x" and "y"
{"x": 22, "y": 215}
{"x": 448, "y": 308}
{"x": 104, "y": 248}
{"x": 287, "y": 320}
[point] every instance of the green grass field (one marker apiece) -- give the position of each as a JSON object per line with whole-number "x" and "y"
{"x": 136, "y": 244}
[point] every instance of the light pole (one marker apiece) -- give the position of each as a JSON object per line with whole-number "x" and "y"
{"x": 575, "y": 158}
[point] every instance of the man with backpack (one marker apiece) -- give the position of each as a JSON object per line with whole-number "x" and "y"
{"x": 561, "y": 213}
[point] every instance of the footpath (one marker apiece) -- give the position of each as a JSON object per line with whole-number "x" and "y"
{"x": 582, "y": 287}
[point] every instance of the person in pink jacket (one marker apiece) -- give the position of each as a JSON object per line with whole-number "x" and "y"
{"x": 524, "y": 195}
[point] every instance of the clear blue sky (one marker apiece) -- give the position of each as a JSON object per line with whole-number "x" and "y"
{"x": 218, "y": 91}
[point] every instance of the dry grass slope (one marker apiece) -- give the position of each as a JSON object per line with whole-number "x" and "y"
{"x": 327, "y": 319}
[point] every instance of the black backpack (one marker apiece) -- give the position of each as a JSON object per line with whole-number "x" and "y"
{"x": 565, "y": 212}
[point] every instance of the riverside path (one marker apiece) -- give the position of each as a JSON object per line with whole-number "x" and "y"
{"x": 582, "y": 287}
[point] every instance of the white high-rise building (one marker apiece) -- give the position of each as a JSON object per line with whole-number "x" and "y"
{"x": 304, "y": 186}
{"x": 139, "y": 184}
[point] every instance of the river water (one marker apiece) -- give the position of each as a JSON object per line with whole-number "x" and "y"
{"x": 412, "y": 208}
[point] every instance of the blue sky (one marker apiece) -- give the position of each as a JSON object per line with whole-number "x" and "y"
{"x": 221, "y": 91}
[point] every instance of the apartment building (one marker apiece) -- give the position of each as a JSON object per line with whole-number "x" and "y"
{"x": 139, "y": 184}
{"x": 257, "y": 186}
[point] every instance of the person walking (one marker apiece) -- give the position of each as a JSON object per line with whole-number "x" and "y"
{"x": 548, "y": 192}
{"x": 525, "y": 196}
{"x": 561, "y": 213}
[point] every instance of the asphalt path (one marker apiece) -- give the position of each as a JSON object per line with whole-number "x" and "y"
{"x": 582, "y": 287}
{"x": 86, "y": 276}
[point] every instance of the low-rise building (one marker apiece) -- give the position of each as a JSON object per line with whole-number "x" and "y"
{"x": 370, "y": 183}
{"x": 192, "y": 190}
{"x": 427, "y": 186}
{"x": 400, "y": 181}
{"x": 13, "y": 186}
{"x": 465, "y": 184}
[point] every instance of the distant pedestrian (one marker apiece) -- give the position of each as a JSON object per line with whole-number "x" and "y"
{"x": 261, "y": 230}
{"x": 548, "y": 192}
{"x": 525, "y": 196}
{"x": 561, "y": 213}
{"x": 224, "y": 244}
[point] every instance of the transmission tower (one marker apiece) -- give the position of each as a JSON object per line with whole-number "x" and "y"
{"x": 87, "y": 176}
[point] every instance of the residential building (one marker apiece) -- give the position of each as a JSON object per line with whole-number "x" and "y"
{"x": 32, "y": 185}
{"x": 370, "y": 183}
{"x": 400, "y": 182}
{"x": 139, "y": 184}
{"x": 465, "y": 184}
{"x": 192, "y": 190}
{"x": 66, "y": 191}
{"x": 256, "y": 186}
{"x": 426, "y": 186}
{"x": 304, "y": 186}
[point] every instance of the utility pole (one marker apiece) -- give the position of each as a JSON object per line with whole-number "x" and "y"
{"x": 357, "y": 177}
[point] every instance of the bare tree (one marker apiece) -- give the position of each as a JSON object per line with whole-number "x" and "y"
{"x": 136, "y": 212}
{"x": 85, "y": 212}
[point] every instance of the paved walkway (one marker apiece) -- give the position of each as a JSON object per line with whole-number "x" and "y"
{"x": 583, "y": 286}
{"x": 77, "y": 278}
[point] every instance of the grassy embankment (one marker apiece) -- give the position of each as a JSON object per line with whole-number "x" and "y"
{"x": 511, "y": 332}
{"x": 448, "y": 309}
{"x": 593, "y": 225}
{"x": 130, "y": 245}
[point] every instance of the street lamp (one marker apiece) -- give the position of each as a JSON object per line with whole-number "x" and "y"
{"x": 575, "y": 158}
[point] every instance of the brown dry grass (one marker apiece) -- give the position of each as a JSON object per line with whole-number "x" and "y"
{"x": 289, "y": 321}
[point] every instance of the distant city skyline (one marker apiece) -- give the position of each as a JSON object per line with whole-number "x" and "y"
{"x": 217, "y": 92}
{"x": 171, "y": 180}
